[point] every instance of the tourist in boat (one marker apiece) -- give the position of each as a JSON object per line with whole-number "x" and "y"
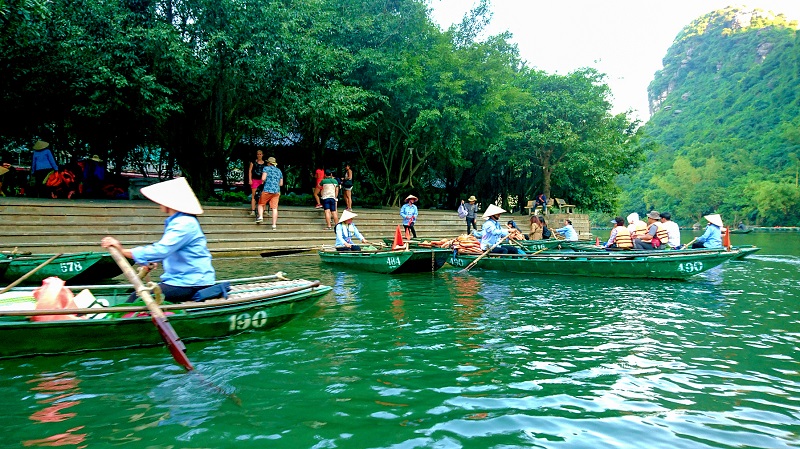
{"x": 515, "y": 233}
{"x": 635, "y": 225}
{"x": 546, "y": 232}
{"x": 569, "y": 233}
{"x": 712, "y": 238}
{"x": 254, "y": 179}
{"x": 409, "y": 214}
{"x": 673, "y": 230}
{"x": 492, "y": 231}
{"x": 655, "y": 236}
{"x": 536, "y": 228}
{"x": 182, "y": 250}
{"x": 472, "y": 211}
{"x": 620, "y": 235}
{"x": 345, "y": 231}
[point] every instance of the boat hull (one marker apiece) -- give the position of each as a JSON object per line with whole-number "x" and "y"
{"x": 71, "y": 267}
{"x": 417, "y": 260}
{"x": 670, "y": 265}
{"x": 22, "y": 337}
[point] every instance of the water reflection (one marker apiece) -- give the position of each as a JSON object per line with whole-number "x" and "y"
{"x": 57, "y": 392}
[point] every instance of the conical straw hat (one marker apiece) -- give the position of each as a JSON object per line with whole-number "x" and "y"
{"x": 714, "y": 219}
{"x": 492, "y": 210}
{"x": 3, "y": 171}
{"x": 175, "y": 194}
{"x": 346, "y": 215}
{"x": 40, "y": 145}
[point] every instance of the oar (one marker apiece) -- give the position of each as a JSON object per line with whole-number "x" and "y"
{"x": 168, "y": 334}
{"x": 28, "y": 274}
{"x": 689, "y": 245}
{"x": 474, "y": 262}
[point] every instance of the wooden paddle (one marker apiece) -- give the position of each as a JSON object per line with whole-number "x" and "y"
{"x": 28, "y": 274}
{"x": 689, "y": 245}
{"x": 168, "y": 334}
{"x": 474, "y": 262}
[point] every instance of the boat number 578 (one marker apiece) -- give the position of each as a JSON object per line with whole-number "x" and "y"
{"x": 690, "y": 267}
{"x": 242, "y": 321}
{"x": 70, "y": 267}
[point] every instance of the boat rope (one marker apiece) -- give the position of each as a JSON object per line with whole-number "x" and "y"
{"x": 154, "y": 289}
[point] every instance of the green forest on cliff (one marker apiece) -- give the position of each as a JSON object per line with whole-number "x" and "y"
{"x": 725, "y": 131}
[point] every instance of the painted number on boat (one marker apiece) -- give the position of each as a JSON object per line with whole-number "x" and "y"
{"x": 456, "y": 262}
{"x": 393, "y": 261}
{"x": 242, "y": 321}
{"x": 690, "y": 267}
{"x": 70, "y": 267}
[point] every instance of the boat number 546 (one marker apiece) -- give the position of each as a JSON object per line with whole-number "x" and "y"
{"x": 690, "y": 267}
{"x": 242, "y": 321}
{"x": 70, "y": 267}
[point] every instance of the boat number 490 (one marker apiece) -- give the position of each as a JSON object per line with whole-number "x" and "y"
{"x": 70, "y": 267}
{"x": 690, "y": 267}
{"x": 242, "y": 321}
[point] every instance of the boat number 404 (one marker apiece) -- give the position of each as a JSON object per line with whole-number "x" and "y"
{"x": 70, "y": 267}
{"x": 690, "y": 267}
{"x": 242, "y": 321}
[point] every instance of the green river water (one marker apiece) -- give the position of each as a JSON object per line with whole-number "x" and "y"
{"x": 453, "y": 360}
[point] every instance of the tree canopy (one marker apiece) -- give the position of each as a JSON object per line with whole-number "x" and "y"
{"x": 199, "y": 85}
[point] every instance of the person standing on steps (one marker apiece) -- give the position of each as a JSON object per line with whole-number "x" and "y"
{"x": 254, "y": 179}
{"x": 409, "y": 214}
{"x": 42, "y": 164}
{"x": 272, "y": 177}
{"x": 472, "y": 211}
{"x": 330, "y": 192}
{"x": 347, "y": 185}
{"x": 319, "y": 175}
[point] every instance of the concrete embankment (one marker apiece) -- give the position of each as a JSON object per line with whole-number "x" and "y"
{"x": 51, "y": 226}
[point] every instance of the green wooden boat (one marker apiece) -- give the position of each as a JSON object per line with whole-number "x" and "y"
{"x": 413, "y": 260}
{"x": 745, "y": 250}
{"x": 4, "y": 263}
{"x": 631, "y": 264}
{"x": 741, "y": 231}
{"x": 70, "y": 267}
{"x": 253, "y": 304}
{"x": 557, "y": 245}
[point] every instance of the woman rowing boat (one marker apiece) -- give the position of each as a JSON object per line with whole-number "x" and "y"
{"x": 183, "y": 249}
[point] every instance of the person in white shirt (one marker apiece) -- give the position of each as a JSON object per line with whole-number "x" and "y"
{"x": 673, "y": 229}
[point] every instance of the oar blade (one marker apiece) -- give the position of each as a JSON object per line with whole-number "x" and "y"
{"x": 174, "y": 343}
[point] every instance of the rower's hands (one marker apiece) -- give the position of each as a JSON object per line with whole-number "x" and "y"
{"x": 108, "y": 242}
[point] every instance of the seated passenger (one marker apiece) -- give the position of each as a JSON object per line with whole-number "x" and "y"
{"x": 620, "y": 236}
{"x": 656, "y": 233}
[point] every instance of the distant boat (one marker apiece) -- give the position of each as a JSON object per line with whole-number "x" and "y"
{"x": 70, "y": 267}
{"x": 741, "y": 231}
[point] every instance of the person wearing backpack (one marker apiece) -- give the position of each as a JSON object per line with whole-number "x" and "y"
{"x": 546, "y": 232}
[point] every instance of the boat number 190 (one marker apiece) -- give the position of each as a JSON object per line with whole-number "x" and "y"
{"x": 244, "y": 321}
{"x": 690, "y": 267}
{"x": 70, "y": 267}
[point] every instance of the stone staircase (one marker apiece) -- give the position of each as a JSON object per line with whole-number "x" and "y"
{"x": 52, "y": 226}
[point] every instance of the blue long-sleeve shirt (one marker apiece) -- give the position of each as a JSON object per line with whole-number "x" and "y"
{"x": 490, "y": 233}
{"x": 712, "y": 238}
{"x": 408, "y": 211}
{"x": 345, "y": 233}
{"x": 569, "y": 233}
{"x": 43, "y": 160}
{"x": 182, "y": 251}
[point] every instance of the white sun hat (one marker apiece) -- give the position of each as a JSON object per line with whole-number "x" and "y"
{"x": 632, "y": 217}
{"x": 175, "y": 194}
{"x": 492, "y": 210}
{"x": 714, "y": 219}
{"x": 346, "y": 215}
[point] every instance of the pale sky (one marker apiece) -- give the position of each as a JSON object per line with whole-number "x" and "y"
{"x": 625, "y": 39}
